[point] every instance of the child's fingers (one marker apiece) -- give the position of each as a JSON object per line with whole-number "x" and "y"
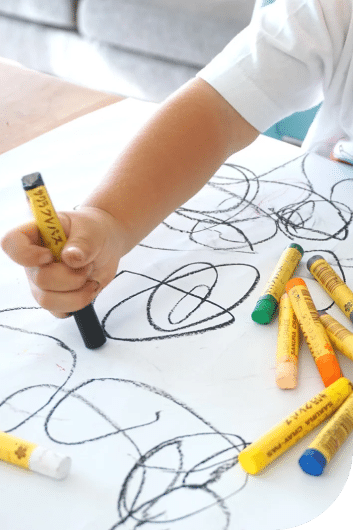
{"x": 61, "y": 303}
{"x": 59, "y": 277}
{"x": 22, "y": 245}
{"x": 84, "y": 241}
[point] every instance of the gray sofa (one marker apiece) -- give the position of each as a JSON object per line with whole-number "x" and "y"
{"x": 140, "y": 48}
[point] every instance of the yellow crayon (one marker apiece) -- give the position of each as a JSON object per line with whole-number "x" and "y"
{"x": 287, "y": 345}
{"x": 340, "y": 337}
{"x": 333, "y": 284}
{"x": 313, "y": 331}
{"x": 268, "y": 302}
{"x": 54, "y": 238}
{"x": 47, "y": 221}
{"x": 33, "y": 456}
{"x": 289, "y": 431}
{"x": 326, "y": 444}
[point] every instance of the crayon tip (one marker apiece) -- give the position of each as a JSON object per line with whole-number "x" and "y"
{"x": 329, "y": 368}
{"x": 265, "y": 309}
{"x": 286, "y": 375}
{"x": 312, "y": 462}
{"x": 293, "y": 282}
{"x": 312, "y": 260}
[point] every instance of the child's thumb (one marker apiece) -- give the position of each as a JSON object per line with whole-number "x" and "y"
{"x": 79, "y": 250}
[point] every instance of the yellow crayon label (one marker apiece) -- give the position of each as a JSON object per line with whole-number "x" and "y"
{"x": 15, "y": 451}
{"x": 337, "y": 430}
{"x": 308, "y": 317}
{"x": 288, "y": 332}
{"x": 290, "y": 430}
{"x": 340, "y": 337}
{"x": 47, "y": 220}
{"x": 333, "y": 285}
{"x": 283, "y": 272}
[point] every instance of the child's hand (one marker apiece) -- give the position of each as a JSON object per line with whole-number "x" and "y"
{"x": 90, "y": 258}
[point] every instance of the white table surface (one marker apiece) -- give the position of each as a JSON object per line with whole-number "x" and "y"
{"x": 154, "y": 420}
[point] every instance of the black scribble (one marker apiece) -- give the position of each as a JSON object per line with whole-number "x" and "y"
{"x": 53, "y": 391}
{"x": 189, "y": 301}
{"x": 246, "y": 210}
{"x": 173, "y": 469}
{"x": 181, "y": 477}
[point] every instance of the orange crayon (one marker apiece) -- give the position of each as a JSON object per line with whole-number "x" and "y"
{"x": 313, "y": 331}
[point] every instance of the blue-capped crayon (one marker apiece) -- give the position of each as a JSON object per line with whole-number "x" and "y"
{"x": 321, "y": 451}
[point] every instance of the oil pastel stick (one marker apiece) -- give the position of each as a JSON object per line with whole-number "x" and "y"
{"x": 340, "y": 337}
{"x": 268, "y": 302}
{"x": 54, "y": 238}
{"x": 290, "y": 430}
{"x": 329, "y": 440}
{"x": 33, "y": 457}
{"x": 313, "y": 331}
{"x": 287, "y": 345}
{"x": 332, "y": 283}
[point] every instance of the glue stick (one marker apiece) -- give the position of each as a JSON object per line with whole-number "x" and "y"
{"x": 268, "y": 302}
{"x": 289, "y": 431}
{"x": 340, "y": 337}
{"x": 321, "y": 451}
{"x": 333, "y": 284}
{"x": 313, "y": 331}
{"x": 287, "y": 345}
{"x": 33, "y": 457}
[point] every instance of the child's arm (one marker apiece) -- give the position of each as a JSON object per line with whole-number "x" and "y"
{"x": 172, "y": 158}
{"x": 169, "y": 160}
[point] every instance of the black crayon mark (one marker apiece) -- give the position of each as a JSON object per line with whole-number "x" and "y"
{"x": 198, "y": 459}
{"x": 183, "y": 303}
{"x": 241, "y": 201}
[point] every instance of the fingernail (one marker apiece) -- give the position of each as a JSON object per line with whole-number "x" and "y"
{"x": 75, "y": 253}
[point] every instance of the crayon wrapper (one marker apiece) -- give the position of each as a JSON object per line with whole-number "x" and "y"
{"x": 15, "y": 451}
{"x": 336, "y": 431}
{"x": 340, "y": 337}
{"x": 47, "y": 220}
{"x": 289, "y": 431}
{"x": 308, "y": 317}
{"x": 333, "y": 285}
{"x": 288, "y": 333}
{"x": 283, "y": 272}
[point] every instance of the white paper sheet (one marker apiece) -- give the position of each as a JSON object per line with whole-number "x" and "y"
{"x": 155, "y": 419}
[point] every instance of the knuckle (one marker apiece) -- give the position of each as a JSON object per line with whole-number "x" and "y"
{"x": 43, "y": 299}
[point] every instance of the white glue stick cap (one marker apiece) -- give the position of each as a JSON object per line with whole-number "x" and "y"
{"x": 286, "y": 375}
{"x": 48, "y": 463}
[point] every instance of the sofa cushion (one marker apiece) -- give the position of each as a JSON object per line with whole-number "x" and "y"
{"x": 187, "y": 31}
{"x": 93, "y": 64}
{"x": 61, "y": 13}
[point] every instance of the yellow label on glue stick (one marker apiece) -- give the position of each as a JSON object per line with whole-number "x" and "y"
{"x": 287, "y": 345}
{"x": 313, "y": 331}
{"x": 340, "y": 337}
{"x": 333, "y": 284}
{"x": 289, "y": 431}
{"x": 47, "y": 220}
{"x": 15, "y": 451}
